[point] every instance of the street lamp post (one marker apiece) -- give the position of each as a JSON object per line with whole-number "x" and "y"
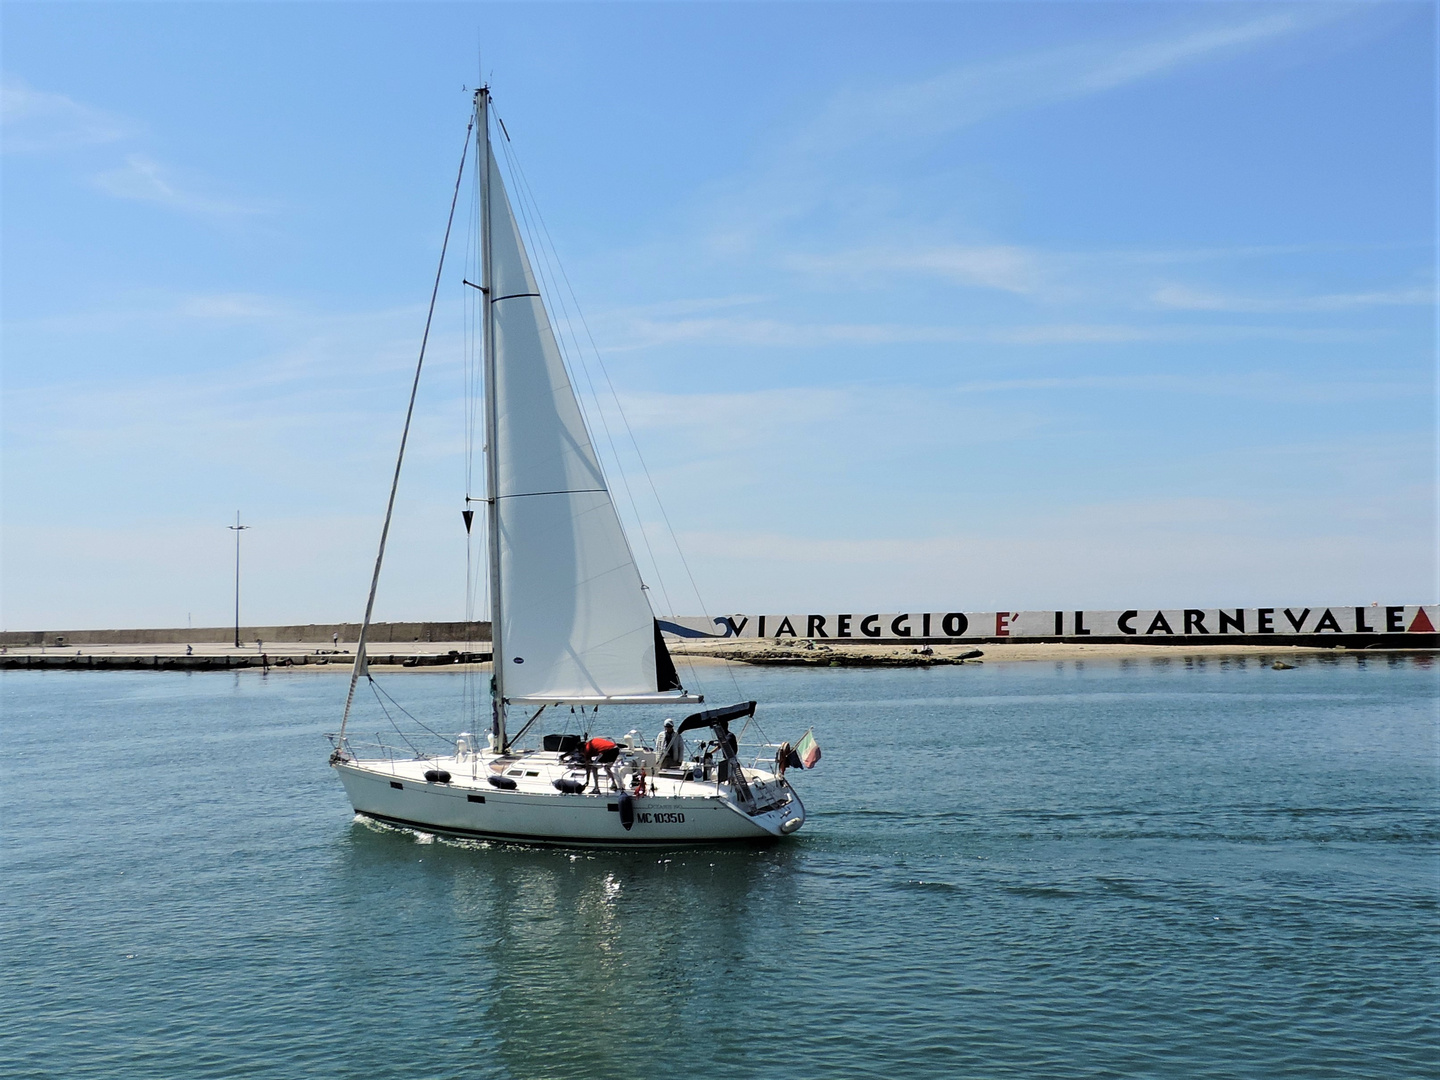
{"x": 237, "y": 529}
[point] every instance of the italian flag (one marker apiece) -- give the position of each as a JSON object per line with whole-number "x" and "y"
{"x": 808, "y": 749}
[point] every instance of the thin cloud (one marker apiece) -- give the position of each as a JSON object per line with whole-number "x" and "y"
{"x": 1252, "y": 386}
{"x": 146, "y": 180}
{"x": 242, "y": 307}
{"x": 649, "y": 333}
{"x": 143, "y": 310}
{"x": 1181, "y": 298}
{"x": 694, "y": 305}
{"x": 967, "y": 95}
{"x": 1236, "y": 550}
{"x": 799, "y": 177}
{"x": 718, "y": 416}
{"x": 1079, "y": 334}
{"x": 38, "y": 121}
{"x": 1161, "y": 56}
{"x": 1005, "y": 267}
{"x": 1101, "y": 277}
{"x": 777, "y": 333}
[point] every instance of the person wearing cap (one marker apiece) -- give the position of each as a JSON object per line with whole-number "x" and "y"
{"x": 669, "y": 746}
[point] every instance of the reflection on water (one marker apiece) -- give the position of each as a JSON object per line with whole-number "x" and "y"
{"x": 593, "y": 964}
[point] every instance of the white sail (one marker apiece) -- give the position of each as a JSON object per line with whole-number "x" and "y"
{"x": 575, "y": 624}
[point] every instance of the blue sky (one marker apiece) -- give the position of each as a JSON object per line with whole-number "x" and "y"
{"x": 929, "y": 306}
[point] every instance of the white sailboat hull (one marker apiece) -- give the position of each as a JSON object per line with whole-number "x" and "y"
{"x": 396, "y": 792}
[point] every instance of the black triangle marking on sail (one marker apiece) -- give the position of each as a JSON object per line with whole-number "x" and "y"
{"x": 469, "y": 516}
{"x": 666, "y": 677}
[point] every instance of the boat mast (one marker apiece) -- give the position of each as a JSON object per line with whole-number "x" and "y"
{"x": 492, "y": 471}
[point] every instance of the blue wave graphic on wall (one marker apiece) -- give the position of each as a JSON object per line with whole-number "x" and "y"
{"x": 689, "y": 632}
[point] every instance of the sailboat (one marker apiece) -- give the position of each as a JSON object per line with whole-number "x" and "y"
{"x": 572, "y": 626}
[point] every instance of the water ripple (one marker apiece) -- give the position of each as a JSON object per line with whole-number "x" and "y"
{"x": 1157, "y": 871}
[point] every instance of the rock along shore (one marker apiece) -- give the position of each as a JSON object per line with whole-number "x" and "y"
{"x": 809, "y": 654}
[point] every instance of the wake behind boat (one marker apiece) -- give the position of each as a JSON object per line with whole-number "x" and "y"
{"x": 571, "y": 623}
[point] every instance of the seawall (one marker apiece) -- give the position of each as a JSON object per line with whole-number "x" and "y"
{"x": 1372, "y": 626}
{"x": 175, "y": 661}
{"x": 308, "y": 632}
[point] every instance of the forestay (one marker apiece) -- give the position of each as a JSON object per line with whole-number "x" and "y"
{"x": 575, "y": 622}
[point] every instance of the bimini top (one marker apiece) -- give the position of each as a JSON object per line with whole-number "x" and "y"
{"x": 717, "y": 717}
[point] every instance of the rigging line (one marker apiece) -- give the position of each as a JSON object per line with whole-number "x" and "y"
{"x": 578, "y": 353}
{"x": 403, "y": 737}
{"x": 467, "y": 307}
{"x": 546, "y": 279}
{"x": 759, "y": 731}
{"x": 528, "y": 201}
{"x": 545, "y": 244}
{"x": 548, "y": 251}
{"x": 525, "y": 184}
{"x": 404, "y": 436}
{"x": 526, "y": 728}
{"x": 468, "y": 347}
{"x": 475, "y": 307}
{"x": 573, "y": 352}
{"x": 418, "y": 723}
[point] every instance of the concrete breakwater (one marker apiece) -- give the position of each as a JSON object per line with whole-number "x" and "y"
{"x": 173, "y": 660}
{"x": 895, "y": 639}
{"x": 326, "y": 633}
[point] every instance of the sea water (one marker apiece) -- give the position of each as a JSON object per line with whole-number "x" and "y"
{"x": 1189, "y": 867}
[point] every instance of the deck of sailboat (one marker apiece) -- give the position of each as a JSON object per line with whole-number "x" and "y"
{"x": 458, "y": 798}
{"x": 535, "y": 771}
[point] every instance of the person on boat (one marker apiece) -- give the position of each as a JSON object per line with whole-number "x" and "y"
{"x": 600, "y": 749}
{"x": 598, "y": 755}
{"x": 669, "y": 747}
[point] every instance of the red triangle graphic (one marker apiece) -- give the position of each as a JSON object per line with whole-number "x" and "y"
{"x": 1422, "y": 624}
